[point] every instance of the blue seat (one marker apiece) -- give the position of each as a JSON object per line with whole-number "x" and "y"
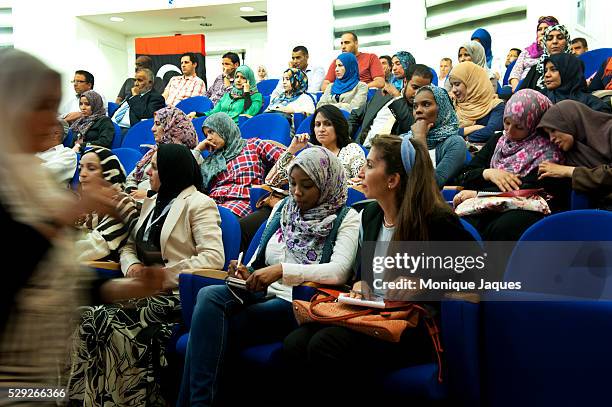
{"x": 138, "y": 134}
{"x": 508, "y": 71}
{"x": 112, "y": 108}
{"x": 128, "y": 158}
{"x": 593, "y": 60}
{"x": 434, "y": 80}
{"x": 371, "y": 93}
{"x": 267, "y": 126}
{"x": 318, "y": 95}
{"x": 580, "y": 201}
{"x": 304, "y": 127}
{"x": 264, "y": 104}
{"x": 74, "y": 182}
{"x": 68, "y": 139}
{"x": 471, "y": 229}
{"x": 117, "y": 138}
{"x": 267, "y": 86}
{"x": 354, "y": 195}
{"x": 197, "y": 123}
{"x": 199, "y": 104}
{"x": 254, "y": 243}
{"x": 298, "y": 118}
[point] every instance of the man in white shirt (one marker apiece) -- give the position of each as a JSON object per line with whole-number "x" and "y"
{"x": 315, "y": 74}
{"x": 59, "y": 160}
{"x": 187, "y": 85}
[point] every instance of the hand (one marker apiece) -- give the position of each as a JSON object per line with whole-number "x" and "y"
{"x": 504, "y": 180}
{"x": 552, "y": 170}
{"x": 76, "y": 148}
{"x": 138, "y": 194}
{"x": 206, "y": 145}
{"x": 73, "y": 116}
{"x": 420, "y": 128}
{"x": 191, "y": 115}
{"x": 360, "y": 290}
{"x": 299, "y": 142}
{"x": 135, "y": 270}
{"x": 247, "y": 87}
{"x": 389, "y": 89}
{"x": 150, "y": 281}
{"x": 135, "y": 91}
{"x": 239, "y": 272}
{"x": 463, "y": 196}
{"x": 262, "y": 278}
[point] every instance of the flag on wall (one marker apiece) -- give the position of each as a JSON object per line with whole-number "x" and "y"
{"x": 166, "y": 54}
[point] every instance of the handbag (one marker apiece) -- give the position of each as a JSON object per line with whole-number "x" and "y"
{"x": 522, "y": 199}
{"x": 386, "y": 324}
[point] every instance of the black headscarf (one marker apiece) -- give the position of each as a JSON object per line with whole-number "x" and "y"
{"x": 573, "y": 85}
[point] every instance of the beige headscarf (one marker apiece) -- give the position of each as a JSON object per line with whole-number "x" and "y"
{"x": 480, "y": 98}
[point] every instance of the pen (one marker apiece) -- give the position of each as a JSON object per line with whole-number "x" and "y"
{"x": 239, "y": 263}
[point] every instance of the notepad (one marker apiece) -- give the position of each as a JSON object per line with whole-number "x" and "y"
{"x": 346, "y": 299}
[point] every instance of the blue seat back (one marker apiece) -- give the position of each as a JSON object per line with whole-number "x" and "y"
{"x": 265, "y": 103}
{"x": 580, "y": 201}
{"x": 371, "y": 93}
{"x": 68, "y": 139}
{"x": 471, "y": 229}
{"x": 112, "y": 108}
{"x": 138, "y": 134}
{"x": 254, "y": 243}
{"x": 304, "y": 127}
{"x": 195, "y": 104}
{"x": 230, "y": 229}
{"x": 508, "y": 71}
{"x": 593, "y": 60}
{"x": 434, "y": 80}
{"x": 266, "y": 87}
{"x": 128, "y": 158}
{"x": 354, "y": 195}
{"x": 267, "y": 126}
{"x": 197, "y": 123}
{"x": 74, "y": 183}
{"x": 117, "y": 138}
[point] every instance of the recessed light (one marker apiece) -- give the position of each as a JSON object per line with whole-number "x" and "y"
{"x": 117, "y": 19}
{"x": 247, "y": 9}
{"x": 206, "y": 24}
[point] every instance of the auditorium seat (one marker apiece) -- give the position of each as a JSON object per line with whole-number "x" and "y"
{"x": 267, "y": 86}
{"x": 594, "y": 59}
{"x": 117, "y": 138}
{"x": 197, "y": 123}
{"x": 112, "y": 107}
{"x": 128, "y": 158}
{"x": 139, "y": 134}
{"x": 267, "y": 126}
{"x": 199, "y": 104}
{"x": 304, "y": 127}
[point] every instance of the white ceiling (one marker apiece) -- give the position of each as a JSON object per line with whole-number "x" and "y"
{"x": 222, "y": 17}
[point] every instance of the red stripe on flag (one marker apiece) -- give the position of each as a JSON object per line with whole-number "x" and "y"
{"x": 177, "y": 44}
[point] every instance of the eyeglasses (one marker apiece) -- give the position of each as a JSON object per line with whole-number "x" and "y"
{"x": 77, "y": 81}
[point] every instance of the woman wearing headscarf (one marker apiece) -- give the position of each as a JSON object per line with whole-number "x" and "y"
{"x": 479, "y": 111}
{"x": 94, "y": 128}
{"x": 585, "y": 136}
{"x": 347, "y": 92}
{"x": 564, "y": 79}
{"x": 234, "y": 164}
{"x": 243, "y": 98}
{"x": 436, "y": 125}
{"x": 474, "y": 51}
{"x": 310, "y": 236}
{"x": 170, "y": 126}
{"x": 262, "y": 73}
{"x": 530, "y": 55}
{"x": 294, "y": 98}
{"x": 37, "y": 298}
{"x": 556, "y": 40}
{"x": 401, "y": 64}
{"x": 484, "y": 38}
{"x": 103, "y": 236}
{"x": 510, "y": 162}
{"x": 119, "y": 348}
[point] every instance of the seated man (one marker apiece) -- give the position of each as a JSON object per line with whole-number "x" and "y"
{"x": 142, "y": 102}
{"x": 186, "y": 85}
{"x": 370, "y": 69}
{"x": 70, "y": 111}
{"x": 230, "y": 61}
{"x": 579, "y": 46}
{"x": 142, "y": 62}
{"x": 446, "y": 64}
{"x": 299, "y": 60}
{"x": 59, "y": 160}
{"x": 385, "y": 114}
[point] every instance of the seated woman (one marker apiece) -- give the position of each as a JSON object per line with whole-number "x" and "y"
{"x": 564, "y": 79}
{"x": 103, "y": 236}
{"x": 473, "y": 51}
{"x": 94, "y": 128}
{"x": 408, "y": 207}
{"x": 243, "y": 98}
{"x": 530, "y": 55}
{"x": 262, "y": 73}
{"x": 510, "y": 162}
{"x": 298, "y": 245}
{"x": 170, "y": 126}
{"x": 436, "y": 125}
{"x": 585, "y": 136}
{"x": 556, "y": 40}
{"x": 294, "y": 98}
{"x": 234, "y": 164}
{"x": 401, "y": 63}
{"x": 121, "y": 347}
{"x": 347, "y": 92}
{"x": 479, "y": 110}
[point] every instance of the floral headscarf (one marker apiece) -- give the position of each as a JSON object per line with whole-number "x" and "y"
{"x": 216, "y": 162}
{"x": 545, "y": 55}
{"x": 83, "y": 124}
{"x": 526, "y": 107}
{"x": 406, "y": 59}
{"x": 535, "y": 49}
{"x": 446, "y": 124}
{"x": 299, "y": 86}
{"x": 305, "y": 233}
{"x": 178, "y": 129}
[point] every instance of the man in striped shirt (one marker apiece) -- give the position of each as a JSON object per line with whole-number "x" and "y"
{"x": 187, "y": 85}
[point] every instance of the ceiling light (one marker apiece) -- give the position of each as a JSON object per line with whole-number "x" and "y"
{"x": 192, "y": 18}
{"x": 206, "y": 24}
{"x": 247, "y": 9}
{"x": 117, "y": 19}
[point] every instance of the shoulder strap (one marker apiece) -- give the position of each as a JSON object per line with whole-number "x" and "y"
{"x": 271, "y": 228}
{"x": 330, "y": 242}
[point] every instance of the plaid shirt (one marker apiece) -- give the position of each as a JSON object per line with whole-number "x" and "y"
{"x": 218, "y": 89}
{"x": 181, "y": 87}
{"x": 231, "y": 188}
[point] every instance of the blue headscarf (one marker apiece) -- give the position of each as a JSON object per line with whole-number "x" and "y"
{"x": 407, "y": 60}
{"x": 351, "y": 76}
{"x": 485, "y": 40}
{"x": 446, "y": 124}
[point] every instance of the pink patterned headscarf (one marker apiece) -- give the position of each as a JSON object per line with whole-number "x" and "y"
{"x": 178, "y": 129}
{"x": 535, "y": 50}
{"x": 526, "y": 107}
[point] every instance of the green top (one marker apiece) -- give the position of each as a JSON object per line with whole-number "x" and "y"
{"x": 235, "y": 107}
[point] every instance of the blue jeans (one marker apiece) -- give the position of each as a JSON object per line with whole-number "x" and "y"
{"x": 220, "y": 319}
